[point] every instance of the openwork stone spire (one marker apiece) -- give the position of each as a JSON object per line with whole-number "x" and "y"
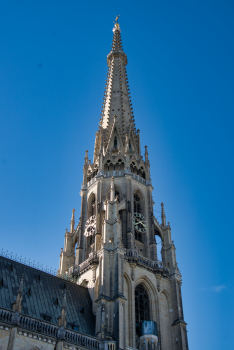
{"x": 116, "y": 107}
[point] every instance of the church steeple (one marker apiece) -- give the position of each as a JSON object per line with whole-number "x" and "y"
{"x": 113, "y": 250}
{"x": 117, "y": 112}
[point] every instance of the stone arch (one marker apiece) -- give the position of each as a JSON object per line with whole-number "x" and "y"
{"x": 153, "y": 296}
{"x": 119, "y": 164}
{"x": 165, "y": 322}
{"x": 138, "y": 192}
{"x": 141, "y": 171}
{"x": 166, "y": 294}
{"x": 128, "y": 309}
{"x": 91, "y": 204}
{"x": 153, "y": 301}
{"x": 159, "y": 229}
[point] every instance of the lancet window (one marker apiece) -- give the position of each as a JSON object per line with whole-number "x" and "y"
{"x": 115, "y": 142}
{"x": 92, "y": 205}
{"x": 130, "y": 147}
{"x": 109, "y": 166}
{"x": 142, "y": 309}
{"x": 137, "y": 204}
{"x": 141, "y": 172}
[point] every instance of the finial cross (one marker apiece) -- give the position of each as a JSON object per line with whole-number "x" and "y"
{"x": 117, "y": 19}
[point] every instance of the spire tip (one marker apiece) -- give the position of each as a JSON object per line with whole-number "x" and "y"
{"x": 116, "y": 22}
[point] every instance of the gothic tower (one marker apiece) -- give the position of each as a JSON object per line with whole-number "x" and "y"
{"x": 113, "y": 250}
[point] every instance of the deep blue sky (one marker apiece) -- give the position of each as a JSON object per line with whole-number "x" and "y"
{"x": 53, "y": 69}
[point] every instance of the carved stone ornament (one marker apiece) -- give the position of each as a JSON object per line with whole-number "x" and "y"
{"x": 90, "y": 226}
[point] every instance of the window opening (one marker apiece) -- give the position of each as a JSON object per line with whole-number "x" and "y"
{"x": 93, "y": 207}
{"x": 142, "y": 311}
{"x": 115, "y": 142}
{"x": 130, "y": 147}
{"x": 137, "y": 204}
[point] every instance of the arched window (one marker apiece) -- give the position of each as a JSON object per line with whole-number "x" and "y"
{"x": 115, "y": 142}
{"x": 89, "y": 176}
{"x": 142, "y": 310}
{"x": 92, "y": 205}
{"x": 137, "y": 204}
{"x": 130, "y": 147}
{"x": 119, "y": 165}
{"x": 116, "y": 193}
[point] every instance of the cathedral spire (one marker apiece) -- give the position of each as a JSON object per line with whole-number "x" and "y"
{"x": 117, "y": 118}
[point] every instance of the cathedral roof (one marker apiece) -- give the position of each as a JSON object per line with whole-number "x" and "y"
{"x": 43, "y": 296}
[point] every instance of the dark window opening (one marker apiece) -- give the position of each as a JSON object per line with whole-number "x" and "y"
{"x": 10, "y": 267}
{"x": 115, "y": 142}
{"x": 117, "y": 194}
{"x": 92, "y": 212}
{"x": 82, "y": 310}
{"x": 137, "y": 204}
{"x": 55, "y": 301}
{"x": 142, "y": 311}
{"x": 46, "y": 317}
{"x": 38, "y": 277}
{"x": 73, "y": 326}
{"x": 130, "y": 146}
{"x": 138, "y": 236}
{"x": 28, "y": 292}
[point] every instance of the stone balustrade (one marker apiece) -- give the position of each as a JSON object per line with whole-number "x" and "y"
{"x": 91, "y": 181}
{"x": 80, "y": 339}
{"x": 114, "y": 173}
{"x": 5, "y": 315}
{"x": 38, "y": 326}
{"x": 118, "y": 173}
{"x": 76, "y": 270}
{"x": 35, "y": 325}
{"x": 133, "y": 255}
{"x": 140, "y": 179}
{"x": 109, "y": 345}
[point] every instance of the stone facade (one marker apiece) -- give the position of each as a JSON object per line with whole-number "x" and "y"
{"x": 113, "y": 249}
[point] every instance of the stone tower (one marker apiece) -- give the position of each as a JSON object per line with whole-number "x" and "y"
{"x": 113, "y": 251}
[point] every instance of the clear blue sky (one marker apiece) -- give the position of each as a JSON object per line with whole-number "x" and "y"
{"x": 53, "y": 69}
